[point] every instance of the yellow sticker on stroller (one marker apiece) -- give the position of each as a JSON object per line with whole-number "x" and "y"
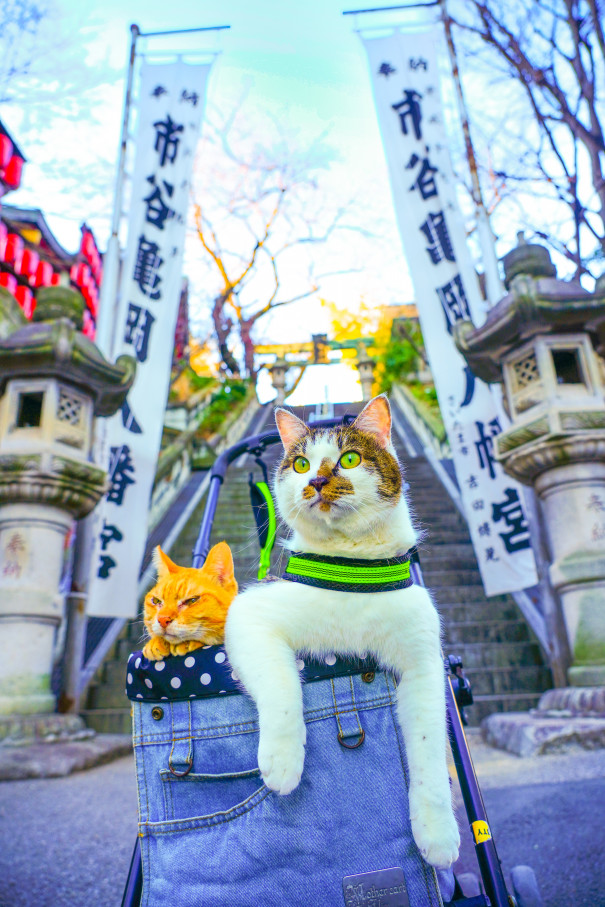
{"x": 481, "y": 831}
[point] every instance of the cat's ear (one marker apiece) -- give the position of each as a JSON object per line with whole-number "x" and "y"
{"x": 219, "y": 564}
{"x": 375, "y": 420}
{"x": 163, "y": 564}
{"x": 291, "y": 429}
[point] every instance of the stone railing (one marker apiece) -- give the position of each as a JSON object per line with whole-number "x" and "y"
{"x": 420, "y": 423}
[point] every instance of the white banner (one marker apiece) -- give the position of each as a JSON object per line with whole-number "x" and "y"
{"x": 170, "y": 112}
{"x": 406, "y": 85}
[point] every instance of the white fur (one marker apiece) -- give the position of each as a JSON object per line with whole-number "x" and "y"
{"x": 269, "y": 623}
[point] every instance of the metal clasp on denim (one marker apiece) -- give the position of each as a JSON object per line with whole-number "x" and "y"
{"x": 181, "y": 753}
{"x": 347, "y": 716}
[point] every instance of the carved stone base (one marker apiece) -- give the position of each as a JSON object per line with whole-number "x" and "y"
{"x": 24, "y": 730}
{"x": 565, "y": 718}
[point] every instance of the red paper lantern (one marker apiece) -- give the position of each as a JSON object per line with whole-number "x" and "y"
{"x": 55, "y": 280}
{"x": 14, "y": 250}
{"x": 89, "y": 328}
{"x": 30, "y": 262}
{"x": 13, "y": 171}
{"x": 25, "y": 298}
{"x": 8, "y": 282}
{"x": 94, "y": 301}
{"x": 83, "y": 274}
{"x": 6, "y": 151}
{"x": 44, "y": 273}
{"x": 88, "y": 245}
{"x": 3, "y": 235}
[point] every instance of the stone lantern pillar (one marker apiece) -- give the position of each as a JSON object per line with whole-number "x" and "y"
{"x": 365, "y": 367}
{"x": 544, "y": 340}
{"x": 278, "y": 379}
{"x": 53, "y": 382}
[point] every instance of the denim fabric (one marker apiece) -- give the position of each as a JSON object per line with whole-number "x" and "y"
{"x": 217, "y": 837}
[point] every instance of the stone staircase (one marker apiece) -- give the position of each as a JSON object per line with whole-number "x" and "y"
{"x": 502, "y": 659}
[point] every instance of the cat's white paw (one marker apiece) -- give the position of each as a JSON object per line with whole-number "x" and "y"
{"x": 281, "y": 759}
{"x": 434, "y": 828}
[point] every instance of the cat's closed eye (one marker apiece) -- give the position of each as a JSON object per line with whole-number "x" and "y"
{"x": 189, "y": 601}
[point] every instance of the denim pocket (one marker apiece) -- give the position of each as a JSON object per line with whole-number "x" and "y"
{"x": 204, "y": 796}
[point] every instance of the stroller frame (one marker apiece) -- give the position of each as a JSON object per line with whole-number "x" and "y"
{"x": 457, "y": 696}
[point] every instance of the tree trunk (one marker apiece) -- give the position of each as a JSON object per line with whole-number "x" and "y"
{"x": 222, "y": 329}
{"x": 245, "y": 330}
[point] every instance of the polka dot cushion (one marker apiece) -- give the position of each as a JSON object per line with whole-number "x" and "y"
{"x": 206, "y": 672}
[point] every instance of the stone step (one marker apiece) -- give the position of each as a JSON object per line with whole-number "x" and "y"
{"x": 436, "y": 560}
{"x": 484, "y": 706}
{"x": 454, "y": 550}
{"x": 461, "y": 594}
{"x": 108, "y": 695}
{"x": 114, "y": 671}
{"x": 454, "y": 613}
{"x": 443, "y": 519}
{"x": 490, "y": 656}
{"x": 484, "y": 631}
{"x": 508, "y": 679}
{"x": 435, "y": 579}
{"x": 443, "y": 536}
{"x": 109, "y": 721}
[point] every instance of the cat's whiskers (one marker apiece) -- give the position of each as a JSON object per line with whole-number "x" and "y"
{"x": 372, "y": 528}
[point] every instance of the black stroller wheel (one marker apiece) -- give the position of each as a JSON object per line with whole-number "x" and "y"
{"x": 469, "y": 884}
{"x": 525, "y": 887}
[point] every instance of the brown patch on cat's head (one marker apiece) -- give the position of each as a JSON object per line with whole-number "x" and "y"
{"x": 191, "y": 600}
{"x": 336, "y": 486}
{"x": 375, "y": 458}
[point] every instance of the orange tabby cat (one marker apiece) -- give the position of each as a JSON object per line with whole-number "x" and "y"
{"x": 187, "y": 607}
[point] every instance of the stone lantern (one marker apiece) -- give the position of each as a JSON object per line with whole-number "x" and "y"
{"x": 53, "y": 382}
{"x": 278, "y": 379}
{"x": 365, "y": 367}
{"x": 545, "y": 341}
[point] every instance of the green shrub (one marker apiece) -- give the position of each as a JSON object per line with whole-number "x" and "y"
{"x": 230, "y": 396}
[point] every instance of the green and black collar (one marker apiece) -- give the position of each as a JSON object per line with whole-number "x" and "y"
{"x": 344, "y": 574}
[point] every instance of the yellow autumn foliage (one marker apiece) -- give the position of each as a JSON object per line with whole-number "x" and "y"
{"x": 366, "y": 320}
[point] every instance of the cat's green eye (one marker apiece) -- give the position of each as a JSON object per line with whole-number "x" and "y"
{"x": 350, "y": 459}
{"x": 155, "y": 601}
{"x": 301, "y": 464}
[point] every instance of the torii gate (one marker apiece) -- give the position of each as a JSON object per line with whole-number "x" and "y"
{"x": 316, "y": 351}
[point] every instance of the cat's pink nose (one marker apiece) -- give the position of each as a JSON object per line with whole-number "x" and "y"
{"x": 318, "y": 482}
{"x": 164, "y": 620}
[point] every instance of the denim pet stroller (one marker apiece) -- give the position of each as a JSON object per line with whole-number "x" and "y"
{"x": 211, "y": 834}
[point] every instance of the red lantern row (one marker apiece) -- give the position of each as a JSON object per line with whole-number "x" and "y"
{"x": 26, "y": 262}
{"x": 88, "y": 248}
{"x": 82, "y": 276}
{"x": 88, "y": 328}
{"x": 6, "y": 151}
{"x": 39, "y": 273}
{"x": 11, "y": 165}
{"x": 23, "y": 295}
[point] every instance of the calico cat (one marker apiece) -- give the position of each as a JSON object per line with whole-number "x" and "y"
{"x": 340, "y": 492}
{"x": 187, "y": 607}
